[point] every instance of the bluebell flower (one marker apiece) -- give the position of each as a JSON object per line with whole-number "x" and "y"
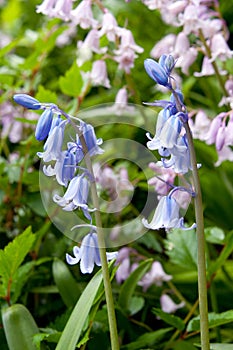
{"x": 168, "y": 129}
{"x": 27, "y": 101}
{"x": 167, "y": 62}
{"x": 44, "y": 125}
{"x": 88, "y": 254}
{"x": 64, "y": 168}
{"x": 166, "y": 215}
{"x": 53, "y": 144}
{"x": 90, "y": 138}
{"x": 75, "y": 196}
{"x": 157, "y": 72}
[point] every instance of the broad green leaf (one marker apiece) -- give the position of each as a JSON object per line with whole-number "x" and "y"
{"x": 45, "y": 95}
{"x": 13, "y": 255}
{"x": 215, "y": 320}
{"x": 135, "y": 305}
{"x": 183, "y": 345}
{"x": 147, "y": 339}
{"x": 172, "y": 320}
{"x": 227, "y": 250}
{"x": 181, "y": 247}
{"x": 215, "y": 235}
{"x": 47, "y": 334}
{"x": 74, "y": 326}
{"x": 128, "y": 287}
{"x": 71, "y": 84}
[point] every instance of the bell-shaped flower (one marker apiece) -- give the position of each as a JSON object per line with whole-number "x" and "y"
{"x": 156, "y": 276}
{"x": 99, "y": 75}
{"x": 64, "y": 168}
{"x": 44, "y": 124}
{"x": 168, "y": 305}
{"x": 90, "y": 138}
{"x": 166, "y": 215}
{"x": 88, "y": 254}
{"x": 53, "y": 144}
{"x": 157, "y": 72}
{"x": 27, "y": 101}
{"x": 75, "y": 196}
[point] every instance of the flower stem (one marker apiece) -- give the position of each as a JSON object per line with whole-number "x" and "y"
{"x": 102, "y": 249}
{"x": 202, "y": 280}
{"x": 201, "y": 260}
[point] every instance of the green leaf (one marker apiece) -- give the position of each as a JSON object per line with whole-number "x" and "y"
{"x": 74, "y": 326}
{"x": 71, "y": 84}
{"x": 128, "y": 287}
{"x": 45, "y": 95}
{"x": 215, "y": 235}
{"x": 147, "y": 339}
{"x": 135, "y": 305}
{"x": 215, "y": 320}
{"x": 13, "y": 255}
{"x": 218, "y": 346}
{"x": 172, "y": 320}
{"x": 66, "y": 284}
{"x": 227, "y": 250}
{"x": 181, "y": 247}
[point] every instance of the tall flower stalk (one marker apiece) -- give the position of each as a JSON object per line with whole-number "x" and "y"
{"x": 174, "y": 139}
{"x": 78, "y": 181}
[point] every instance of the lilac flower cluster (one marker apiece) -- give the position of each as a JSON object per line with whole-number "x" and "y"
{"x": 202, "y": 32}
{"x": 64, "y": 163}
{"x": 170, "y": 141}
{"x": 120, "y": 45}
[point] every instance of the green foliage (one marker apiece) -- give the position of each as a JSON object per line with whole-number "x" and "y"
{"x": 12, "y": 257}
{"x": 181, "y": 247}
{"x": 215, "y": 320}
{"x": 71, "y": 84}
{"x": 172, "y": 320}
{"x": 128, "y": 287}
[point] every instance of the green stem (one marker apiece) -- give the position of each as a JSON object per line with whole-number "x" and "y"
{"x": 102, "y": 249}
{"x": 214, "y": 65}
{"x": 201, "y": 265}
{"x": 202, "y": 281}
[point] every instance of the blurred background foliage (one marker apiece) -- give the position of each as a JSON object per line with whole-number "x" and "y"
{"x": 32, "y": 62}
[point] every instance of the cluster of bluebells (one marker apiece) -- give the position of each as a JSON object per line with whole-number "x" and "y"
{"x": 63, "y": 162}
{"x": 98, "y": 22}
{"x": 203, "y": 34}
{"x": 170, "y": 141}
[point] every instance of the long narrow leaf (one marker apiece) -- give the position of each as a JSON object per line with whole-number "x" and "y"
{"x": 74, "y": 326}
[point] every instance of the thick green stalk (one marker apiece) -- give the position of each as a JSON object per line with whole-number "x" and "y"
{"x": 101, "y": 242}
{"x": 201, "y": 265}
{"x": 202, "y": 280}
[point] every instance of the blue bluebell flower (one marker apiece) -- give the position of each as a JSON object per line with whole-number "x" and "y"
{"x": 64, "y": 168}
{"x": 88, "y": 254}
{"x": 166, "y": 215}
{"x": 76, "y": 196}
{"x": 27, "y": 101}
{"x": 53, "y": 144}
{"x": 44, "y": 125}
{"x": 157, "y": 72}
{"x": 90, "y": 138}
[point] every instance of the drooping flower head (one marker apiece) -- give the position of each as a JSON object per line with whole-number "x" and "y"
{"x": 88, "y": 254}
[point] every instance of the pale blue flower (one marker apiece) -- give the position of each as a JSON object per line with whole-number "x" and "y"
{"x": 90, "y": 138}
{"x": 53, "y": 144}
{"x": 166, "y": 215}
{"x": 64, "y": 168}
{"x": 44, "y": 125}
{"x": 75, "y": 196}
{"x": 88, "y": 254}
{"x": 27, "y": 101}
